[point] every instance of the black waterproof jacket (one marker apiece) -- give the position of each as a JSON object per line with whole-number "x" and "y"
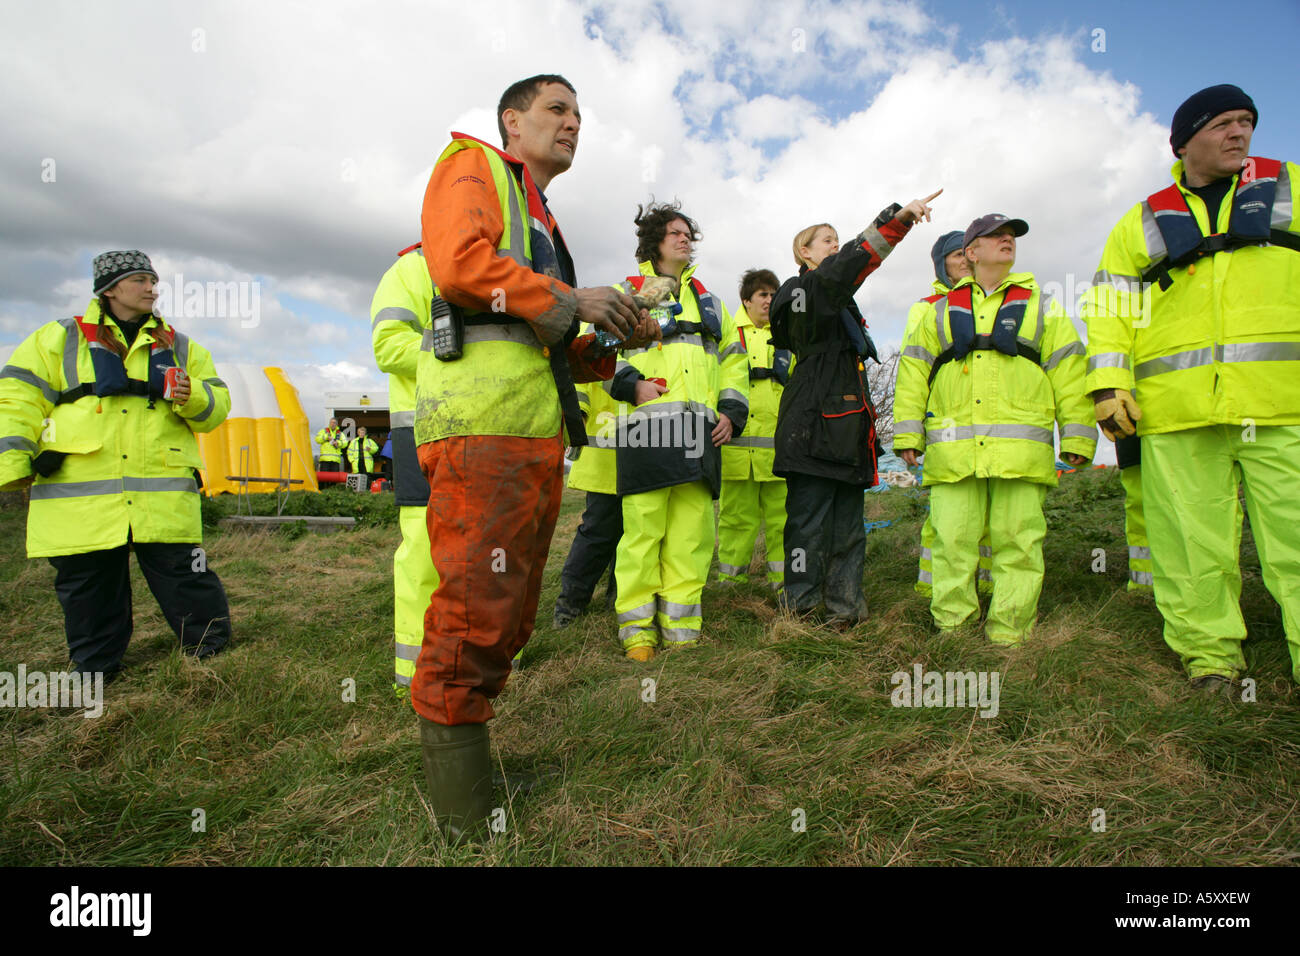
{"x": 826, "y": 423}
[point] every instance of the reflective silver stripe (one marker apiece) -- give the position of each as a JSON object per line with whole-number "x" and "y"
{"x": 212, "y": 404}
{"x": 680, "y": 635}
{"x": 17, "y": 443}
{"x": 1177, "y": 362}
{"x": 426, "y": 341}
{"x": 1038, "y": 321}
{"x": 1282, "y": 211}
{"x": 984, "y": 574}
{"x": 1260, "y": 352}
{"x": 926, "y": 554}
{"x": 634, "y": 630}
{"x": 939, "y": 316}
{"x": 1117, "y": 279}
{"x": 397, "y": 314}
{"x": 158, "y": 484}
{"x": 1053, "y": 360}
{"x": 403, "y": 680}
{"x": 667, "y": 409}
{"x": 872, "y": 237}
{"x": 731, "y": 569}
{"x": 1079, "y": 431}
{"x": 908, "y": 426}
{"x": 181, "y": 349}
{"x": 1156, "y": 249}
{"x": 1142, "y": 577}
{"x": 643, "y": 613}
{"x": 753, "y": 441}
{"x": 584, "y": 399}
{"x": 1108, "y": 360}
{"x": 31, "y": 378}
{"x": 111, "y": 486}
{"x": 685, "y": 338}
{"x": 402, "y": 419}
{"x": 217, "y": 383}
{"x": 776, "y": 567}
{"x": 73, "y": 339}
{"x": 963, "y": 432}
{"x": 919, "y": 352}
{"x": 521, "y": 333}
{"x": 735, "y": 348}
{"x": 1138, "y": 554}
{"x": 925, "y": 577}
{"x": 675, "y": 611}
{"x": 602, "y": 441}
{"x": 986, "y": 551}
{"x": 518, "y": 234}
{"x": 406, "y": 652}
{"x": 733, "y": 395}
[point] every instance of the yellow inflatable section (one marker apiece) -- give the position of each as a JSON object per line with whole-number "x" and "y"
{"x": 265, "y": 415}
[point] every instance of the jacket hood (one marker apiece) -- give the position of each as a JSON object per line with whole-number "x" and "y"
{"x": 945, "y": 244}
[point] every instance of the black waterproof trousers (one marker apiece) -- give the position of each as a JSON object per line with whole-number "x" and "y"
{"x": 825, "y": 547}
{"x": 594, "y": 547}
{"x": 94, "y": 589}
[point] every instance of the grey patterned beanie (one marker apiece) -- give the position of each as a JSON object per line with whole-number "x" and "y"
{"x": 109, "y": 267}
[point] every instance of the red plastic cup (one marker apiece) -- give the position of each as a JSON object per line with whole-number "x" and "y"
{"x": 171, "y": 379}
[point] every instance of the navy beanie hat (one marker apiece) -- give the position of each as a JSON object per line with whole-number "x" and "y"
{"x": 1199, "y": 108}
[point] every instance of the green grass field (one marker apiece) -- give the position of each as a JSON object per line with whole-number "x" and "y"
{"x": 775, "y": 743}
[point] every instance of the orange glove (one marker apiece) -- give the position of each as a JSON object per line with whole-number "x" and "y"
{"x": 1117, "y": 413}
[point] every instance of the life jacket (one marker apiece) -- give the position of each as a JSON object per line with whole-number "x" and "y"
{"x": 1004, "y": 338}
{"x": 780, "y": 369}
{"x": 110, "y": 370}
{"x": 711, "y": 321}
{"x": 1249, "y": 222}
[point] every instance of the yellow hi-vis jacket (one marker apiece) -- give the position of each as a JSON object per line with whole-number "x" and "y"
{"x": 595, "y": 467}
{"x": 750, "y": 456}
{"x": 129, "y": 468}
{"x": 329, "y": 451}
{"x": 399, "y": 314}
{"x": 667, "y": 441}
{"x": 1221, "y": 344}
{"x": 991, "y": 414}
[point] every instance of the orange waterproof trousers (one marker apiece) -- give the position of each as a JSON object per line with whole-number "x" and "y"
{"x": 493, "y": 502}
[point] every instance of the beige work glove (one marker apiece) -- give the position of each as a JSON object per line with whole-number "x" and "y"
{"x": 1117, "y": 413}
{"x": 655, "y": 291}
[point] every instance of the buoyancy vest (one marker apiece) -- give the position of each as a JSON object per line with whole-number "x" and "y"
{"x": 1006, "y": 327}
{"x": 780, "y": 370}
{"x": 110, "y": 370}
{"x": 1249, "y": 222}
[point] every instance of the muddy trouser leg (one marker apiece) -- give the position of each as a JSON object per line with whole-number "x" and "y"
{"x": 844, "y": 597}
{"x": 809, "y": 508}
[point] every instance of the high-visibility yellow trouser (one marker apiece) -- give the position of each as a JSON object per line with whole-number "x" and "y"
{"x": 1013, "y": 511}
{"x": 662, "y": 563}
{"x": 1189, "y": 496}
{"x": 925, "y": 570}
{"x": 414, "y": 580}
{"x": 743, "y": 503}
{"x": 1135, "y": 530}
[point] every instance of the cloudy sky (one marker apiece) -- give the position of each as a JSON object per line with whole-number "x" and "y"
{"x": 288, "y": 144}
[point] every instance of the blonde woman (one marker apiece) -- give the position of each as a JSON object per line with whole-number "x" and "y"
{"x": 826, "y": 444}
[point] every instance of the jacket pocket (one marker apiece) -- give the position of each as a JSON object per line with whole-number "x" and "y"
{"x": 837, "y": 434}
{"x": 184, "y": 456}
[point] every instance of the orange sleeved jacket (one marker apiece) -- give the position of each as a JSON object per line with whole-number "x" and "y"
{"x": 461, "y": 225}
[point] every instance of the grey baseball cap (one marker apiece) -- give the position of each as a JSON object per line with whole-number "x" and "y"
{"x": 986, "y": 224}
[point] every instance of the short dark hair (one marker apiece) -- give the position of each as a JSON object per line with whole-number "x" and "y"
{"x": 755, "y": 279}
{"x": 652, "y": 225}
{"x": 519, "y": 96}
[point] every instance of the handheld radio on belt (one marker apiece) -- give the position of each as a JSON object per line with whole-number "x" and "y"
{"x": 448, "y": 330}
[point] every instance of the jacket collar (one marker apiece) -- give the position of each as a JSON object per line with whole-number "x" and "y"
{"x": 1025, "y": 279}
{"x": 93, "y": 316}
{"x": 647, "y": 268}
